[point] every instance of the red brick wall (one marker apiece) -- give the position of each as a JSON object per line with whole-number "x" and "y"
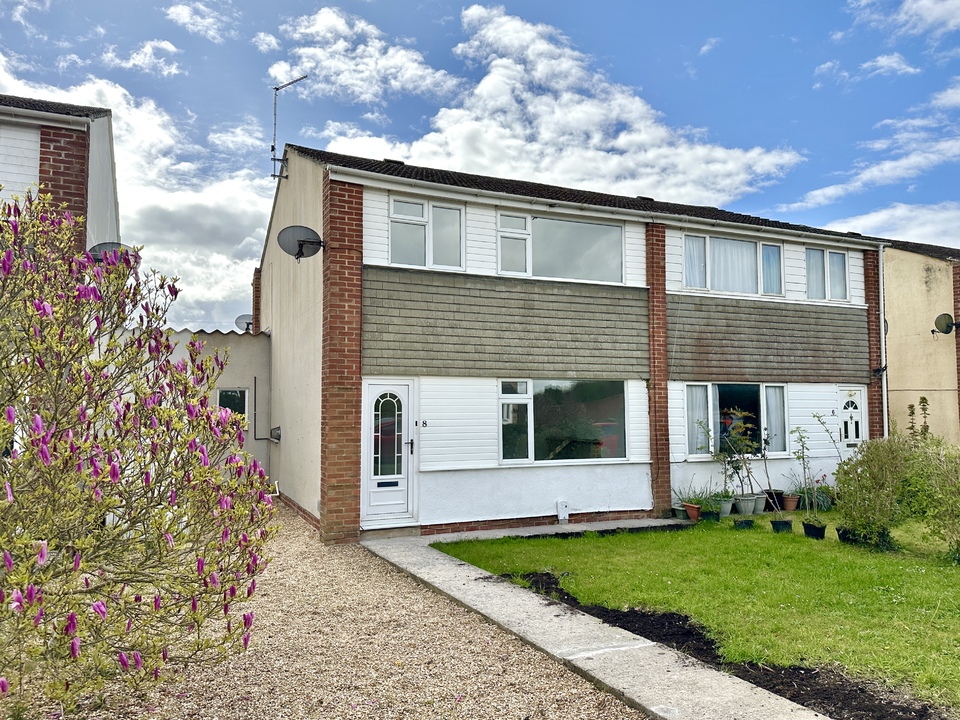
{"x": 657, "y": 390}
{"x": 871, "y": 280}
{"x": 255, "y": 328}
{"x": 64, "y": 162}
{"x": 341, "y": 389}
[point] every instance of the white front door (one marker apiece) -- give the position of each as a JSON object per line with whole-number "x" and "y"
{"x": 853, "y": 419}
{"x": 388, "y": 449}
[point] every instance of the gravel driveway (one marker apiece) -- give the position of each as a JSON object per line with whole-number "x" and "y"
{"x": 339, "y": 633}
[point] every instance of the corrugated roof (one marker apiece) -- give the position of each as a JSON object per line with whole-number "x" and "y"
{"x": 49, "y": 106}
{"x": 397, "y": 169}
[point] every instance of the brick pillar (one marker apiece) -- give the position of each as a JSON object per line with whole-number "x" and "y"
{"x": 956, "y": 334}
{"x": 255, "y": 327}
{"x": 341, "y": 389}
{"x": 657, "y": 388}
{"x": 871, "y": 281}
{"x": 64, "y": 162}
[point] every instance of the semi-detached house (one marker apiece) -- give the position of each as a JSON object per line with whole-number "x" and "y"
{"x": 471, "y": 351}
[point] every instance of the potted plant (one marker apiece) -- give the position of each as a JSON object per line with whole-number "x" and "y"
{"x": 780, "y": 524}
{"x": 813, "y": 526}
{"x": 737, "y": 449}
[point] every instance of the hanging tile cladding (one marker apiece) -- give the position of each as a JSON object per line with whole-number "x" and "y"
{"x": 721, "y": 339}
{"x": 449, "y": 324}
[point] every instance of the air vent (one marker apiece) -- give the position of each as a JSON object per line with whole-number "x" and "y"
{"x": 644, "y": 197}
{"x": 393, "y": 162}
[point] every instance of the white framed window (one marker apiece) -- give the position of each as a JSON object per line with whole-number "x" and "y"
{"x": 827, "y": 274}
{"x": 561, "y": 248}
{"x": 732, "y": 265}
{"x": 562, "y": 420}
{"x": 234, "y": 399}
{"x": 425, "y": 233}
{"x": 713, "y": 410}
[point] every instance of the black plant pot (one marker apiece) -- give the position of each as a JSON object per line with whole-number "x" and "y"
{"x": 742, "y": 524}
{"x": 712, "y": 515}
{"x": 774, "y": 499}
{"x": 782, "y": 526}
{"x": 816, "y": 532}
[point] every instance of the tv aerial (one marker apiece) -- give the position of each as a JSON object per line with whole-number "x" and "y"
{"x": 300, "y": 242}
{"x": 244, "y": 322}
{"x": 273, "y": 146}
{"x": 944, "y": 324}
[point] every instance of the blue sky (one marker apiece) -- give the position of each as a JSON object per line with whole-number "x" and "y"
{"x": 840, "y": 114}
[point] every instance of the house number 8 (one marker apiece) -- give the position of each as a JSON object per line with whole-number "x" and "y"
{"x": 423, "y": 423}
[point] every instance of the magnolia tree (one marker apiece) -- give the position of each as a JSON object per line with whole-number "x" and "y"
{"x": 132, "y": 523}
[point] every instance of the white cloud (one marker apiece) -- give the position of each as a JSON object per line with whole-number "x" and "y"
{"x": 201, "y": 19}
{"x": 265, "y": 42}
{"x": 65, "y": 61}
{"x": 19, "y": 9}
{"x": 936, "y": 17}
{"x": 346, "y": 57}
{"x": 541, "y": 112}
{"x": 709, "y": 45}
{"x": 148, "y": 59}
{"x": 892, "y": 64}
{"x": 949, "y": 98}
{"x": 238, "y": 139}
{"x": 933, "y": 224}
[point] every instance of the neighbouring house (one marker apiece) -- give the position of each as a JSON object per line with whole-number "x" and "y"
{"x": 922, "y": 282}
{"x": 472, "y": 352}
{"x": 66, "y": 149}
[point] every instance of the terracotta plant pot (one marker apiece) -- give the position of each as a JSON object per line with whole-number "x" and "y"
{"x": 790, "y": 502}
{"x": 693, "y": 511}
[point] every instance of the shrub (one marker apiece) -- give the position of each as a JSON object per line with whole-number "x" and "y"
{"x": 942, "y": 470}
{"x": 132, "y": 523}
{"x": 868, "y": 484}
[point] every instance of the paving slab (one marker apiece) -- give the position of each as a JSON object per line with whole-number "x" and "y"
{"x": 660, "y": 681}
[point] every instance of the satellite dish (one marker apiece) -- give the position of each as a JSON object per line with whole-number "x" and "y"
{"x": 944, "y": 323}
{"x": 244, "y": 322}
{"x": 299, "y": 241}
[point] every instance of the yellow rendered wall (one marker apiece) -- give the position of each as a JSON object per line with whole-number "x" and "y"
{"x": 918, "y": 288}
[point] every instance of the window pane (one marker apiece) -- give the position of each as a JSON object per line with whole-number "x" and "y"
{"x": 816, "y": 283}
{"x": 733, "y": 265}
{"x": 446, "y": 237}
{"x": 513, "y": 222}
{"x": 408, "y": 243}
{"x": 235, "y": 400}
{"x": 574, "y": 420}
{"x": 514, "y": 431}
{"x": 387, "y": 435}
{"x": 410, "y": 209}
{"x": 838, "y": 276}
{"x": 772, "y": 283}
{"x": 776, "y": 425}
{"x": 577, "y": 250}
{"x": 695, "y": 261}
{"x": 738, "y": 404}
{"x": 513, "y": 254}
{"x": 698, "y": 441}
{"x": 513, "y": 387}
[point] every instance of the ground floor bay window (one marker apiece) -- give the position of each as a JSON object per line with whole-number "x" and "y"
{"x": 714, "y": 410}
{"x": 555, "y": 420}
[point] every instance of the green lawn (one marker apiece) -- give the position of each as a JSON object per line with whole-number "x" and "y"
{"x": 774, "y": 599}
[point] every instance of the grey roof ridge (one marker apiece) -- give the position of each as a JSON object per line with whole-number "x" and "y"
{"x": 53, "y": 107}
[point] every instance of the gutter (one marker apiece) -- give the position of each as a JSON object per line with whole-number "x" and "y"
{"x": 21, "y": 116}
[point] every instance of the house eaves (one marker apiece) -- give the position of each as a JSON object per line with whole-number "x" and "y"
{"x": 399, "y": 174}
{"x": 46, "y": 112}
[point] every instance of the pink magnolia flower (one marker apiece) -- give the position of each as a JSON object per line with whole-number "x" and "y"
{"x": 75, "y": 648}
{"x": 11, "y": 414}
{"x": 199, "y": 566}
{"x": 37, "y": 425}
{"x": 214, "y": 579}
{"x": 42, "y": 554}
{"x": 4, "y": 685}
{"x": 114, "y": 473}
{"x": 137, "y": 660}
{"x": 31, "y": 594}
{"x": 38, "y": 617}
{"x": 169, "y": 538}
{"x": 16, "y": 598}
{"x": 156, "y": 602}
{"x": 45, "y": 454}
{"x": 71, "y": 627}
{"x": 248, "y": 620}
{"x": 100, "y": 608}
{"x": 246, "y": 640}
{"x": 76, "y": 561}
{"x": 9, "y": 493}
{"x": 122, "y": 659}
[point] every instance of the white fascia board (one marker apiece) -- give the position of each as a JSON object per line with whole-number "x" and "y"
{"x": 35, "y": 117}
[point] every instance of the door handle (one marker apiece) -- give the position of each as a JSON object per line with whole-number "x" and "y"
{"x": 410, "y": 443}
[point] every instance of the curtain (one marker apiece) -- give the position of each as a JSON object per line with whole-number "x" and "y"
{"x": 838, "y": 276}
{"x": 772, "y": 283}
{"x": 695, "y": 261}
{"x": 733, "y": 265}
{"x": 698, "y": 441}
{"x": 775, "y": 420}
{"x": 816, "y": 286}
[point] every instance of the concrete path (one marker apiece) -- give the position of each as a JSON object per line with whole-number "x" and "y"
{"x": 644, "y": 674}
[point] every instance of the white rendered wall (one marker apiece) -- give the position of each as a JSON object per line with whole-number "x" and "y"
{"x": 248, "y": 368}
{"x": 291, "y": 303}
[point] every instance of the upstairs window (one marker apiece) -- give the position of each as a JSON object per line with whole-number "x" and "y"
{"x": 736, "y": 266}
{"x": 426, "y": 234}
{"x": 566, "y": 249}
{"x": 826, "y": 274}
